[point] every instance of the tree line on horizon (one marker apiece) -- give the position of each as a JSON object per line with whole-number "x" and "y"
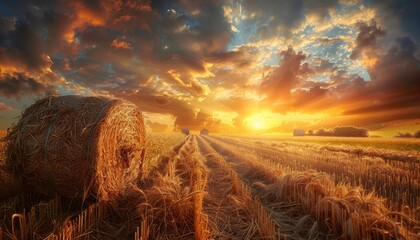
{"x": 408, "y": 135}
{"x": 340, "y": 131}
{"x": 351, "y": 131}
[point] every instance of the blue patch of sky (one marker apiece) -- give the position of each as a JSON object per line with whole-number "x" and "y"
{"x": 244, "y": 36}
{"x": 359, "y": 70}
{"x": 337, "y": 31}
{"x": 321, "y": 78}
{"x": 274, "y": 58}
{"x": 191, "y": 21}
{"x": 309, "y": 29}
{"x": 335, "y": 52}
{"x": 22, "y": 103}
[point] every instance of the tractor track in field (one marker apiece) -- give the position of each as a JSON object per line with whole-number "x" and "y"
{"x": 268, "y": 182}
{"x": 232, "y": 211}
{"x": 288, "y": 217}
{"x": 388, "y": 155}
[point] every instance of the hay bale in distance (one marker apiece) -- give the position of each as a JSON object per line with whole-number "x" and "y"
{"x": 185, "y": 131}
{"x": 204, "y": 131}
{"x": 299, "y": 132}
{"x": 78, "y": 146}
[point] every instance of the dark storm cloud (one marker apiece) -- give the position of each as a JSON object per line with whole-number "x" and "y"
{"x": 367, "y": 39}
{"x": 162, "y": 100}
{"x": 287, "y": 75}
{"x": 405, "y": 14}
{"x": 113, "y": 50}
{"x": 163, "y": 39}
{"x": 279, "y": 18}
{"x": 241, "y": 58}
{"x": 185, "y": 116}
{"x": 7, "y": 24}
{"x": 391, "y": 94}
{"x": 24, "y": 46}
{"x": 321, "y": 65}
{"x": 17, "y": 85}
{"x": 306, "y": 98}
{"x": 395, "y": 80}
{"x": 190, "y": 28}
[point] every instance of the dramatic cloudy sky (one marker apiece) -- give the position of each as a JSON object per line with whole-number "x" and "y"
{"x": 233, "y": 66}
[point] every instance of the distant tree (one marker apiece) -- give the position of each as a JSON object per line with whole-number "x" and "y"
{"x": 349, "y": 131}
{"x": 204, "y": 131}
{"x": 404, "y": 135}
{"x": 185, "y": 131}
{"x": 310, "y": 132}
{"x": 322, "y": 132}
{"x": 417, "y": 134}
{"x": 343, "y": 131}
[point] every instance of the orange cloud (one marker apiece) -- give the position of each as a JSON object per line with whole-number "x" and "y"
{"x": 120, "y": 44}
{"x": 4, "y": 107}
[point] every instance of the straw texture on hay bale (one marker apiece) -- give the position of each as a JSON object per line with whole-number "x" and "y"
{"x": 78, "y": 146}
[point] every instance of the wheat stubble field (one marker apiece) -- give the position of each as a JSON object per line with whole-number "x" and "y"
{"x": 233, "y": 187}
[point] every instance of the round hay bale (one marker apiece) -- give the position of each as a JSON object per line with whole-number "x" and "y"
{"x": 204, "y": 131}
{"x": 78, "y": 146}
{"x": 185, "y": 131}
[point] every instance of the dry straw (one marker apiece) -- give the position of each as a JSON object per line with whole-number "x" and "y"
{"x": 78, "y": 146}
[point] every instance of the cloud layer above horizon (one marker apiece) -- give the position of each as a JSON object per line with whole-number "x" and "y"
{"x": 223, "y": 65}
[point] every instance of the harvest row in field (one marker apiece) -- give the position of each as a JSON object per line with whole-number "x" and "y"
{"x": 397, "y": 144}
{"x": 315, "y": 199}
{"x": 398, "y": 181}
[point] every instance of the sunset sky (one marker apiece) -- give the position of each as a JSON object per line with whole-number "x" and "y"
{"x": 230, "y": 66}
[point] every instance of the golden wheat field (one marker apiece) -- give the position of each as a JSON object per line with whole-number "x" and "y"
{"x": 236, "y": 187}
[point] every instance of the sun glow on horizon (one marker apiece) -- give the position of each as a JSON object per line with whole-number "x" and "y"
{"x": 267, "y": 120}
{"x": 258, "y": 125}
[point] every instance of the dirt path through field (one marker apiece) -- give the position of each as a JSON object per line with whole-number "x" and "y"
{"x": 285, "y": 215}
{"x": 231, "y": 211}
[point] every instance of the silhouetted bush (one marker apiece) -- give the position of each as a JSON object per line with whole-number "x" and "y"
{"x": 350, "y": 131}
{"x": 404, "y": 135}
{"x": 323, "y": 132}
{"x": 343, "y": 131}
{"x": 417, "y": 134}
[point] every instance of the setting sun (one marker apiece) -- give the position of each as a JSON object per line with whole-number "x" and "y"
{"x": 267, "y": 120}
{"x": 258, "y": 125}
